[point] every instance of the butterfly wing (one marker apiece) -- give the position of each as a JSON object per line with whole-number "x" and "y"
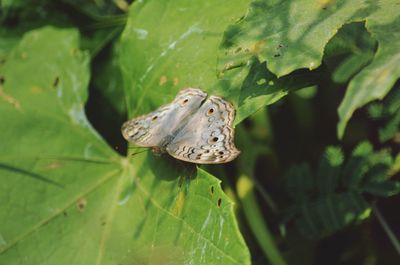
{"x": 208, "y": 136}
{"x": 154, "y": 128}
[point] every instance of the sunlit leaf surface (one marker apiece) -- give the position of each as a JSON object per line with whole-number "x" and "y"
{"x": 67, "y": 198}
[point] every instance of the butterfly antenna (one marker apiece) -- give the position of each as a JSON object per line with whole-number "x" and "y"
{"x": 139, "y": 152}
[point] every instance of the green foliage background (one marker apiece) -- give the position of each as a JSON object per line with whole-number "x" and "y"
{"x": 316, "y": 181}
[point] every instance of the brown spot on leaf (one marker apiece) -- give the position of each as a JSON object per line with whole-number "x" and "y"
{"x": 324, "y": 4}
{"x": 7, "y": 98}
{"x": 176, "y": 81}
{"x": 81, "y": 204}
{"x": 36, "y": 90}
{"x": 179, "y": 203}
{"x": 258, "y": 46}
{"x": 163, "y": 80}
{"x": 219, "y": 202}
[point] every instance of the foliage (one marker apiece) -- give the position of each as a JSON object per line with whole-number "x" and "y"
{"x": 73, "y": 192}
{"x": 387, "y": 112}
{"x": 332, "y": 198}
{"x": 290, "y": 35}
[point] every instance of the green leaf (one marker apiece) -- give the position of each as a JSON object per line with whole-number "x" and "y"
{"x": 350, "y": 66}
{"x": 387, "y": 112}
{"x": 351, "y": 39}
{"x": 7, "y": 4}
{"x": 336, "y": 206}
{"x": 67, "y": 198}
{"x": 329, "y": 170}
{"x": 253, "y": 214}
{"x": 160, "y": 55}
{"x": 357, "y": 165}
{"x": 299, "y": 181}
{"x": 288, "y": 34}
{"x": 375, "y": 80}
{"x": 261, "y": 88}
{"x": 383, "y": 189}
{"x": 331, "y": 213}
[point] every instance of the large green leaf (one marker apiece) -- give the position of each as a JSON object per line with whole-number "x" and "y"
{"x": 68, "y": 198}
{"x": 290, "y": 35}
{"x": 160, "y": 55}
{"x": 375, "y": 80}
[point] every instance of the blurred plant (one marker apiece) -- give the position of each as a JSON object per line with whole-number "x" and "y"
{"x": 335, "y": 195}
{"x": 388, "y": 113}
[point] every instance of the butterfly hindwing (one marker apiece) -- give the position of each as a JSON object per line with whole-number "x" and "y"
{"x": 151, "y": 129}
{"x": 208, "y": 136}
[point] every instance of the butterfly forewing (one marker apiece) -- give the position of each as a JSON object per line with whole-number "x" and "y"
{"x": 208, "y": 136}
{"x": 152, "y": 129}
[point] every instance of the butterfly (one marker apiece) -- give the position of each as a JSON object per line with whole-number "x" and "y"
{"x": 191, "y": 128}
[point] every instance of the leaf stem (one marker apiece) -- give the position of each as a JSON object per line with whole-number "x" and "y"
{"x": 253, "y": 215}
{"x": 392, "y": 237}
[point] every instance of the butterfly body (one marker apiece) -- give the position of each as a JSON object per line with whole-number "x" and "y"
{"x": 191, "y": 128}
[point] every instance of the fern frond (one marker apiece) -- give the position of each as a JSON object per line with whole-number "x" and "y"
{"x": 321, "y": 206}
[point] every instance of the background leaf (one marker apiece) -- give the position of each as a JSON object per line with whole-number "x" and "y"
{"x": 288, "y": 34}
{"x": 67, "y": 197}
{"x": 376, "y": 80}
{"x": 339, "y": 201}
